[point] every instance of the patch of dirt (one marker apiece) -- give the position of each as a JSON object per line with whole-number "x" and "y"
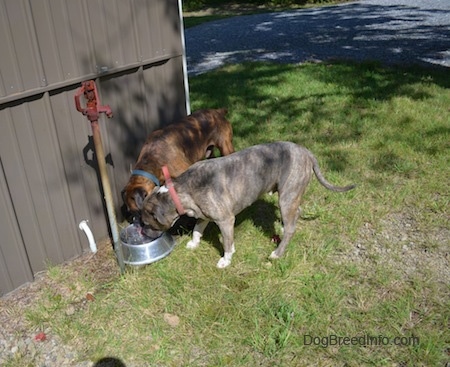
{"x": 102, "y": 266}
{"x": 400, "y": 243}
{"x": 35, "y": 347}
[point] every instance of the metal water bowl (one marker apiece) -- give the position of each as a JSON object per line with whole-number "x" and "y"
{"x": 139, "y": 249}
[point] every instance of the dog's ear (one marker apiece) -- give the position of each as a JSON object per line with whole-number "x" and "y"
{"x": 139, "y": 196}
{"x": 164, "y": 213}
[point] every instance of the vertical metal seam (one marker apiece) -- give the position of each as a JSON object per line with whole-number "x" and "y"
{"x": 55, "y": 42}
{"x": 25, "y": 257}
{"x": 35, "y": 44}
{"x": 87, "y": 24}
{"x": 107, "y": 41}
{"x": 60, "y": 163}
{"x": 27, "y": 188}
{"x": 53, "y": 32}
{"x": 71, "y": 37}
{"x": 118, "y": 41}
{"x": 139, "y": 56}
{"x": 12, "y": 46}
{"x": 42, "y": 178}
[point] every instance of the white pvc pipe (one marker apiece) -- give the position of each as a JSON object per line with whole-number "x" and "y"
{"x": 84, "y": 227}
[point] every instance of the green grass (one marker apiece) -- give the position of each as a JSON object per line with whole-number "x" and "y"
{"x": 386, "y": 130}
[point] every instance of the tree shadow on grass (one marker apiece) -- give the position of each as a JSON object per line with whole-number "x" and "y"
{"x": 333, "y": 105}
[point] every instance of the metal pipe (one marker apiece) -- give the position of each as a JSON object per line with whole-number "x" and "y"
{"x": 92, "y": 112}
{"x": 85, "y": 228}
{"x": 107, "y": 192}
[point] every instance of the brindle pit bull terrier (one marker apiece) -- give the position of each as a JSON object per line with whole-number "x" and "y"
{"x": 218, "y": 189}
{"x": 177, "y": 146}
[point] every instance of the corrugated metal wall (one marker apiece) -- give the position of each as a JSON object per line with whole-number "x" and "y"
{"x": 48, "y": 177}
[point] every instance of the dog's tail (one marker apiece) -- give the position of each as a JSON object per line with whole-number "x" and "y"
{"x": 324, "y": 182}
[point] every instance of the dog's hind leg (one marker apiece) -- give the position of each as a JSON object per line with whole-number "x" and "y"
{"x": 290, "y": 212}
{"x": 197, "y": 233}
{"x": 227, "y": 229}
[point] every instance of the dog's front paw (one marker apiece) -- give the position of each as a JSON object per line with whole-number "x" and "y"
{"x": 223, "y": 263}
{"x": 192, "y": 244}
{"x": 274, "y": 255}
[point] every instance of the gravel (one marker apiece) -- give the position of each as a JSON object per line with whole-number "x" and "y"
{"x": 45, "y": 353}
{"x": 401, "y": 245}
{"x": 390, "y": 31}
{"x": 22, "y": 345}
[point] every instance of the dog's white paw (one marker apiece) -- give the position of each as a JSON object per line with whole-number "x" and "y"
{"x": 274, "y": 255}
{"x": 192, "y": 244}
{"x": 223, "y": 263}
{"x": 196, "y": 237}
{"x": 226, "y": 259}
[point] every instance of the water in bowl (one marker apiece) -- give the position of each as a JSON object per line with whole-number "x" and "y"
{"x": 134, "y": 235}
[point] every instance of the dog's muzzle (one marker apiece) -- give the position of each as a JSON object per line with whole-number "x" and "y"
{"x": 151, "y": 232}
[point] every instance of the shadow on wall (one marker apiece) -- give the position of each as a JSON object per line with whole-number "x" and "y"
{"x": 142, "y": 99}
{"x": 138, "y": 109}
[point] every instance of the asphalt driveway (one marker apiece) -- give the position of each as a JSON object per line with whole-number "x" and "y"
{"x": 390, "y": 31}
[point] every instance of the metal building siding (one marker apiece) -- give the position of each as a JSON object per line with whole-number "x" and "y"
{"x": 15, "y": 169}
{"x": 48, "y": 178}
{"x": 17, "y": 272}
{"x": 33, "y": 167}
{"x": 75, "y": 142}
{"x": 50, "y": 43}
{"x": 21, "y": 70}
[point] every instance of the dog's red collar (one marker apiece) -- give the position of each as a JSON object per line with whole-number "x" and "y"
{"x": 172, "y": 192}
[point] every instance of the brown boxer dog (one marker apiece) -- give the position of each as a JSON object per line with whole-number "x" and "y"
{"x": 177, "y": 146}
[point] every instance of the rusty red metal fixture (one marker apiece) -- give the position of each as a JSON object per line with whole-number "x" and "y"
{"x": 93, "y": 109}
{"x": 92, "y": 112}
